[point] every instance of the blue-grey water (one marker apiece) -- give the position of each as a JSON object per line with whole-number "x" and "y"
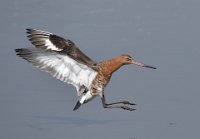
{"x": 165, "y": 34}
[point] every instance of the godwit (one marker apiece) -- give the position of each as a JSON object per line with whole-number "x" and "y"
{"x": 65, "y": 61}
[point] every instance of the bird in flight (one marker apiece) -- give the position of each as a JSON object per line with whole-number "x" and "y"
{"x": 65, "y": 61}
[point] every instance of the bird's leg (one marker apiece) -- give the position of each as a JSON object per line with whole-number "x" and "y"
{"x": 83, "y": 89}
{"x": 108, "y": 105}
{"x": 122, "y": 102}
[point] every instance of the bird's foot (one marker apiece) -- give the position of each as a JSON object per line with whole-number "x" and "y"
{"x": 128, "y": 108}
{"x": 128, "y": 103}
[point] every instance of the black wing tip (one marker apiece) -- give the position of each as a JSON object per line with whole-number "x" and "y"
{"x": 19, "y": 51}
{"x": 78, "y": 104}
{"x": 37, "y": 33}
{"x": 22, "y": 52}
{"x": 29, "y": 30}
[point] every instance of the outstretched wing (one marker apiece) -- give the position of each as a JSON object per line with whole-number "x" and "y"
{"x": 61, "y": 66}
{"x": 47, "y": 40}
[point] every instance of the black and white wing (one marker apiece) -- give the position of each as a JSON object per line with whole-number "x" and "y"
{"x": 61, "y": 66}
{"x": 47, "y": 40}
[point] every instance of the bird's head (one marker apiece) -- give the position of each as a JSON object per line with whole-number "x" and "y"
{"x": 127, "y": 59}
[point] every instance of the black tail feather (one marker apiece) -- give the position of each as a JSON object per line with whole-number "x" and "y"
{"x": 78, "y": 104}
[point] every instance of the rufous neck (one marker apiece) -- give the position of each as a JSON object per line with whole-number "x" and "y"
{"x": 111, "y": 65}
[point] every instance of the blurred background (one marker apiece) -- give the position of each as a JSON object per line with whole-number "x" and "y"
{"x": 164, "y": 34}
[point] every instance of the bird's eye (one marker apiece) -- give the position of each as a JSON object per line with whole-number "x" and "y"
{"x": 129, "y": 59}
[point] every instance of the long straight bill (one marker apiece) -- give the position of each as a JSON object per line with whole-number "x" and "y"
{"x": 143, "y": 65}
